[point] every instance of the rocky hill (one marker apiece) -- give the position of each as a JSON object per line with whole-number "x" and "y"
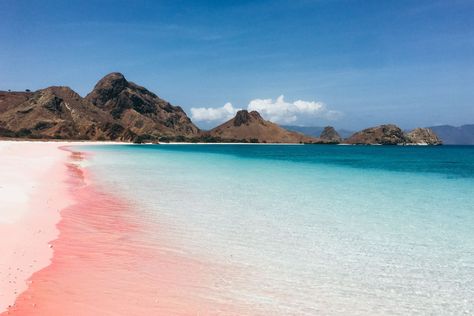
{"x": 251, "y": 127}
{"x": 393, "y": 135}
{"x": 316, "y": 131}
{"x": 115, "y": 110}
{"x": 140, "y": 110}
{"x": 59, "y": 112}
{"x": 423, "y": 136}
{"x": 329, "y": 135}
{"x": 384, "y": 134}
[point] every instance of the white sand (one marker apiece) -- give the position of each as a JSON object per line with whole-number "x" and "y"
{"x": 18, "y": 179}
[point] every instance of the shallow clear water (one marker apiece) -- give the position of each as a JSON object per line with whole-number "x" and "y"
{"x": 311, "y": 229}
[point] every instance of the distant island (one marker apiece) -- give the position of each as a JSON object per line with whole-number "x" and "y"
{"x": 449, "y": 135}
{"x": 119, "y": 110}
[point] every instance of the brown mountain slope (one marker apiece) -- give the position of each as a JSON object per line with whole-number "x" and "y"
{"x": 59, "y": 112}
{"x": 140, "y": 110}
{"x": 251, "y": 127}
{"x": 9, "y": 99}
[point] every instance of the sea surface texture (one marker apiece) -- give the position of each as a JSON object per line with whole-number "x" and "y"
{"x": 306, "y": 230}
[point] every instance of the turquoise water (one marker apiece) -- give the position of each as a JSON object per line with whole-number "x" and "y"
{"x": 305, "y": 230}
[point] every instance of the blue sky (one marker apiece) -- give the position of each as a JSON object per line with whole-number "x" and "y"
{"x": 351, "y": 63}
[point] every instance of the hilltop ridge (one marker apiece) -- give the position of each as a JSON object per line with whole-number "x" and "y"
{"x": 117, "y": 109}
{"x": 251, "y": 127}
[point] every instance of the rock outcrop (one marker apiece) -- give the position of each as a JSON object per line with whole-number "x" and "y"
{"x": 393, "y": 135}
{"x": 115, "y": 110}
{"x": 329, "y": 135}
{"x": 423, "y": 136}
{"x": 380, "y": 135}
{"x": 251, "y": 127}
{"x": 140, "y": 110}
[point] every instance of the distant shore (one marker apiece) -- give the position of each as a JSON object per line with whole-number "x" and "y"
{"x": 92, "y": 142}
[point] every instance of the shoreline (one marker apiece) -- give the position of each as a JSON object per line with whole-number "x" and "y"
{"x": 100, "y": 142}
{"x": 32, "y": 188}
{"x": 97, "y": 248}
{"x": 34, "y": 192}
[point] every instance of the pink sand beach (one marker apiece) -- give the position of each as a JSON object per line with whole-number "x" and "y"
{"x": 69, "y": 248}
{"x": 32, "y": 192}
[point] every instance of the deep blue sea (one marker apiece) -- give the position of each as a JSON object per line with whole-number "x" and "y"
{"x": 312, "y": 229}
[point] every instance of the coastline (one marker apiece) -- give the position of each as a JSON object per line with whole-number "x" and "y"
{"x": 33, "y": 192}
{"x": 93, "y": 142}
{"x": 94, "y": 248}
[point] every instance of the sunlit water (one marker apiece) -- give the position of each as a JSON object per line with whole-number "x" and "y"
{"x": 303, "y": 230}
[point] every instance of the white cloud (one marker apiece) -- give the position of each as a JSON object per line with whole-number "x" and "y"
{"x": 279, "y": 111}
{"x": 221, "y": 114}
{"x": 297, "y": 112}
